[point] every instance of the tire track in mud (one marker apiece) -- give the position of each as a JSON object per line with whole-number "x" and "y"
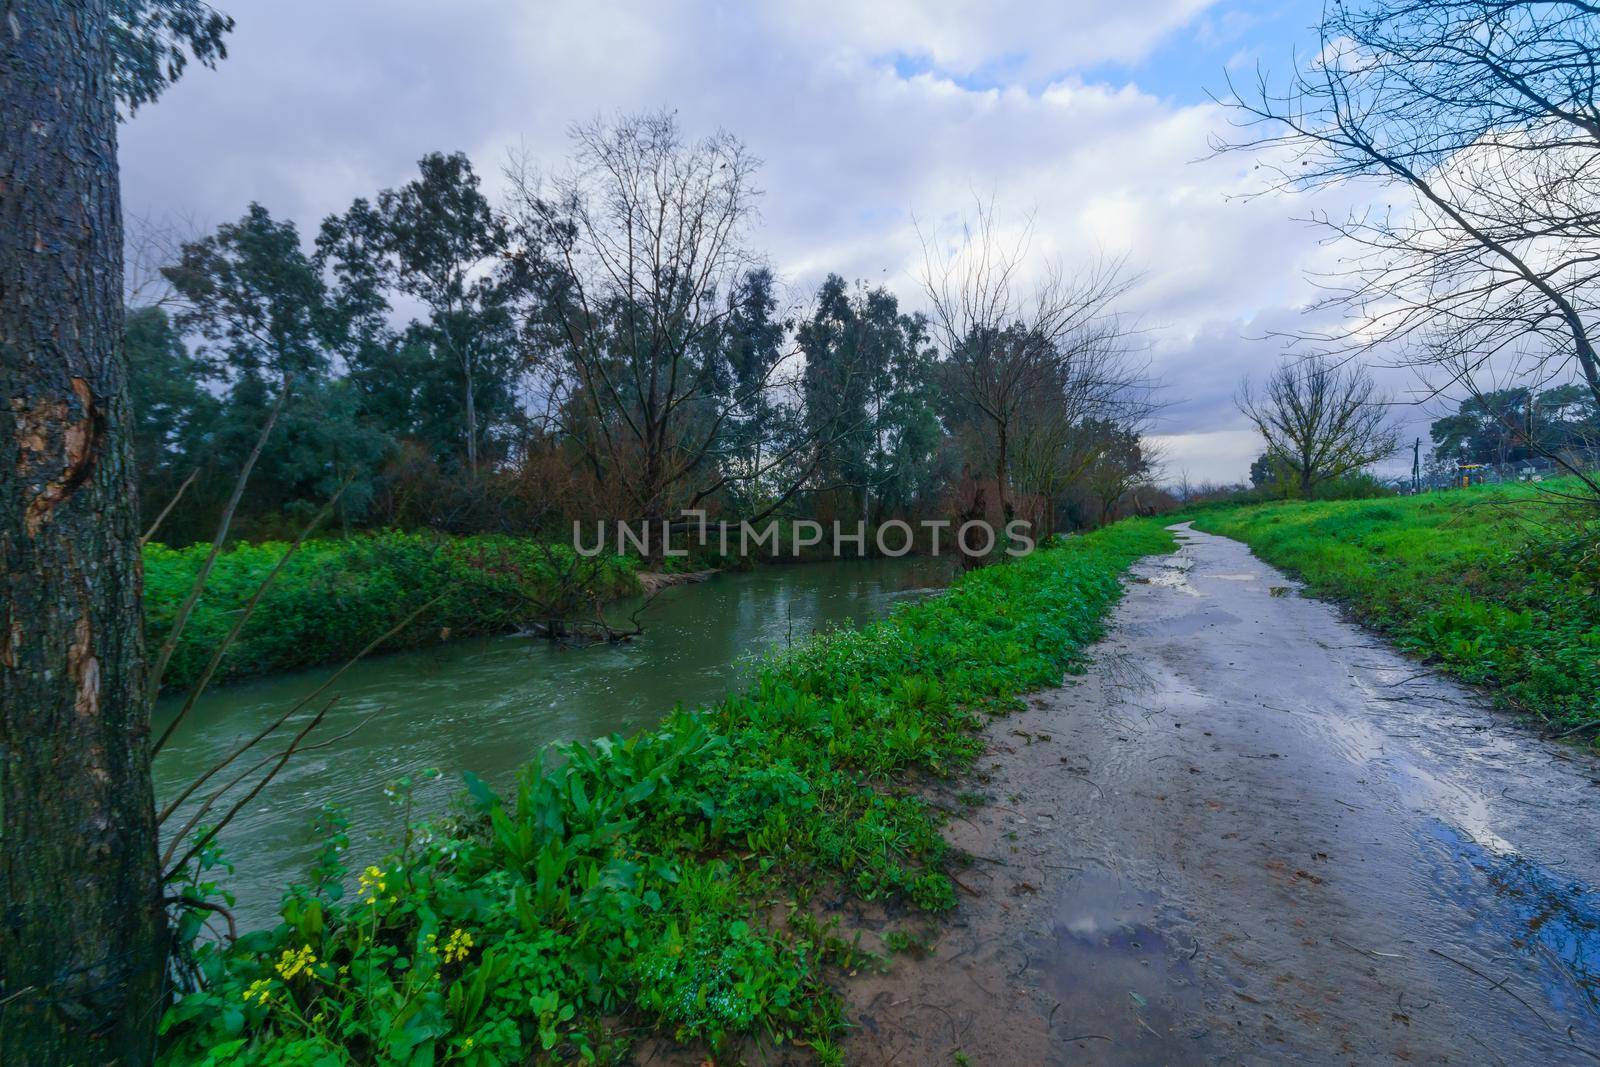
{"x": 1254, "y": 834}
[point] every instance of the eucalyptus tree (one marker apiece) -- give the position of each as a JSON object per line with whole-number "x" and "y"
{"x": 444, "y": 245}
{"x": 269, "y": 326}
{"x": 759, "y": 424}
{"x": 175, "y": 415}
{"x": 842, "y": 367}
{"x": 870, "y": 394}
{"x": 83, "y": 948}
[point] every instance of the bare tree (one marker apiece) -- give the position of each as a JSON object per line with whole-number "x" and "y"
{"x": 644, "y": 242}
{"x": 1005, "y": 341}
{"x": 1324, "y": 418}
{"x": 1487, "y": 114}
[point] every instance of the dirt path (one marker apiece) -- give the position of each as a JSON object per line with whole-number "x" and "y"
{"x": 1253, "y": 834}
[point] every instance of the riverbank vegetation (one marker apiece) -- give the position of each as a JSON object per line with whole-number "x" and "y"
{"x": 332, "y": 598}
{"x": 661, "y": 884}
{"x": 1497, "y": 585}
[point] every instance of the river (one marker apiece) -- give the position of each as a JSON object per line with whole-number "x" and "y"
{"x": 487, "y": 705}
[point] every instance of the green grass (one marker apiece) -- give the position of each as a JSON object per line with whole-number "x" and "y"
{"x": 670, "y": 882}
{"x": 333, "y": 597}
{"x": 1493, "y": 584}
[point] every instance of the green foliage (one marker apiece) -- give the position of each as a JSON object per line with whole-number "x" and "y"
{"x": 153, "y": 40}
{"x": 1492, "y": 584}
{"x": 641, "y": 882}
{"x": 335, "y": 596}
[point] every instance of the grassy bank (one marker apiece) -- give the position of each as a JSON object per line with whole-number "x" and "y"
{"x": 333, "y": 597}
{"x": 1490, "y": 583}
{"x": 664, "y": 884}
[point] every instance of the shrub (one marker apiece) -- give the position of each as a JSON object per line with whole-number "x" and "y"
{"x": 334, "y": 597}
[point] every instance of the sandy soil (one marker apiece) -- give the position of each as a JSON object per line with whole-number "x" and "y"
{"x": 1253, "y": 834}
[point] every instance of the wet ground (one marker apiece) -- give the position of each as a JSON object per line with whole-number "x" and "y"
{"x": 1253, "y": 834}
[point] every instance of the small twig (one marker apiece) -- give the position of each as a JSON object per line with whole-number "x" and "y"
{"x": 154, "y": 526}
{"x": 1496, "y": 985}
{"x": 243, "y": 616}
{"x": 211, "y": 906}
{"x": 169, "y": 645}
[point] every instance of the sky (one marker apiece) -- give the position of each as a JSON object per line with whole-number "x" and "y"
{"x": 1093, "y": 119}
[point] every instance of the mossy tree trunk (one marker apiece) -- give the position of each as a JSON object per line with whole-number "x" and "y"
{"x": 82, "y": 936}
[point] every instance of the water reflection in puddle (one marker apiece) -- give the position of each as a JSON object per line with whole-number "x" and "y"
{"x": 1550, "y": 920}
{"x": 1113, "y": 958}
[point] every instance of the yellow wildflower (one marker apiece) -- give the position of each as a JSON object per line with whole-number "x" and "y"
{"x": 259, "y": 991}
{"x": 293, "y": 962}
{"x": 373, "y": 883}
{"x": 458, "y": 946}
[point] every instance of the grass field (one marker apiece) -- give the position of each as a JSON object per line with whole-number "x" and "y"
{"x": 1492, "y": 584}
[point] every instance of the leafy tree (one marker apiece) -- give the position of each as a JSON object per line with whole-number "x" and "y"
{"x": 269, "y": 327}
{"x": 755, "y": 346}
{"x": 1121, "y": 463}
{"x": 871, "y": 375}
{"x": 83, "y": 949}
{"x": 174, "y": 415}
{"x": 440, "y": 241}
{"x": 842, "y": 365}
{"x": 1512, "y": 425}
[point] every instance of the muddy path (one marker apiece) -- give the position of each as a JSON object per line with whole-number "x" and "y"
{"x": 1254, "y": 834}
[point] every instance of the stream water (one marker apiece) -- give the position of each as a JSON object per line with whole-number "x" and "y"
{"x": 487, "y": 705}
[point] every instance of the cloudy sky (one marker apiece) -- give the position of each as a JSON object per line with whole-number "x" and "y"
{"x": 1093, "y": 116}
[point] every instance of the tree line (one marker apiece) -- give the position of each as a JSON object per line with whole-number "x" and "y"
{"x": 607, "y": 344}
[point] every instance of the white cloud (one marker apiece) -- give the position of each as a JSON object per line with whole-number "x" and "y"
{"x": 963, "y": 37}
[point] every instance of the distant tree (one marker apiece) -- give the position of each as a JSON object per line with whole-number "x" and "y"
{"x": 1323, "y": 418}
{"x": 840, "y": 361}
{"x": 84, "y": 944}
{"x": 268, "y": 326}
{"x": 174, "y": 414}
{"x": 1513, "y": 425}
{"x": 758, "y": 422}
{"x": 1121, "y": 464}
{"x": 1264, "y": 470}
{"x": 869, "y": 389}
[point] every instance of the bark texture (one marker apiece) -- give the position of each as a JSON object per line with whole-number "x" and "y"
{"x": 82, "y": 941}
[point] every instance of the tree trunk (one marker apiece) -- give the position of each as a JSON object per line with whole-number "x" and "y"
{"x": 472, "y": 420}
{"x": 1000, "y": 474}
{"x": 82, "y": 938}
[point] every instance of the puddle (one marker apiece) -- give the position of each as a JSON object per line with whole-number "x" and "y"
{"x": 1182, "y": 625}
{"x": 1170, "y": 574}
{"x": 1113, "y": 958}
{"x": 1549, "y": 920}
